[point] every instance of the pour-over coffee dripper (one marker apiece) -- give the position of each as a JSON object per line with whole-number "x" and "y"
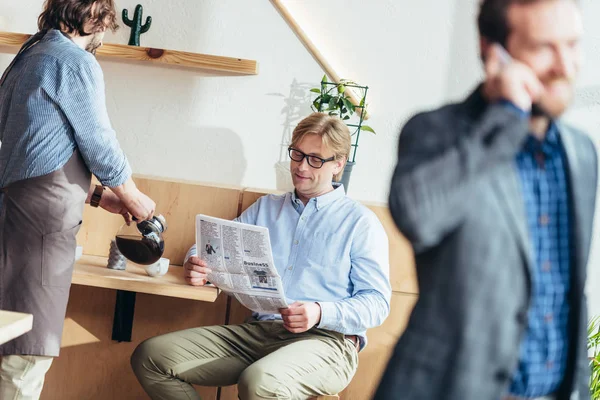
{"x": 142, "y": 242}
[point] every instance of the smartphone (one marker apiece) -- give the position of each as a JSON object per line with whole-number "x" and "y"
{"x": 536, "y": 109}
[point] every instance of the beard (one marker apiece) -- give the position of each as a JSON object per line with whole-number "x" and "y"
{"x": 559, "y": 95}
{"x": 94, "y": 44}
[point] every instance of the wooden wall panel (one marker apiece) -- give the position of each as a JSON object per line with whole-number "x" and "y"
{"x": 382, "y": 340}
{"x": 403, "y": 276}
{"x": 249, "y": 196}
{"x": 92, "y": 366}
{"x": 97, "y": 230}
{"x": 178, "y": 201}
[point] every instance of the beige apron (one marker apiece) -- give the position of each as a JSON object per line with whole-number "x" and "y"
{"x": 39, "y": 218}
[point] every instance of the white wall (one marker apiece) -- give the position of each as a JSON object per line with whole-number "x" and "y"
{"x": 413, "y": 55}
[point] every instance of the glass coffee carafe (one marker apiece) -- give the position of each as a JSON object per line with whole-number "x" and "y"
{"x": 142, "y": 241}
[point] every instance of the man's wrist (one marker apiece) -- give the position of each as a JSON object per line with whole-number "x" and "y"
{"x": 97, "y": 196}
{"x": 328, "y": 318}
{"x": 508, "y": 104}
{"x": 125, "y": 191}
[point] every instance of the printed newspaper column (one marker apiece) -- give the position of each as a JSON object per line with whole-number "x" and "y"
{"x": 241, "y": 261}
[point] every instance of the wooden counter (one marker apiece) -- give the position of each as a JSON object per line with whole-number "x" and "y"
{"x": 13, "y": 324}
{"x": 92, "y": 271}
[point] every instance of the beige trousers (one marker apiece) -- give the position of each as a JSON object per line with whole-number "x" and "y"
{"x": 262, "y": 358}
{"x": 22, "y": 377}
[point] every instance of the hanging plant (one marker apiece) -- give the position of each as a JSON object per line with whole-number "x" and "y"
{"x": 333, "y": 98}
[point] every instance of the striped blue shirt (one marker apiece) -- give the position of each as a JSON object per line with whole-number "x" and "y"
{"x": 544, "y": 350}
{"x": 51, "y": 104}
{"x": 333, "y": 251}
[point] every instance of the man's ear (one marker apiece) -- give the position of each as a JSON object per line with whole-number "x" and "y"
{"x": 100, "y": 29}
{"x": 339, "y": 165}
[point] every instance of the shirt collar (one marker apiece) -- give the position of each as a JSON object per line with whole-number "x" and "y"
{"x": 55, "y": 34}
{"x": 548, "y": 145}
{"x": 323, "y": 200}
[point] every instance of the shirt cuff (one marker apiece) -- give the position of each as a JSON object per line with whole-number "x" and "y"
{"x": 118, "y": 179}
{"x": 514, "y": 108}
{"x": 329, "y": 319}
{"x": 191, "y": 252}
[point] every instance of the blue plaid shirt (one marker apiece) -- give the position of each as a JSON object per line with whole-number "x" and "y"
{"x": 543, "y": 354}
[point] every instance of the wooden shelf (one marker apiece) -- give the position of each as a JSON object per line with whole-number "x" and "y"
{"x": 13, "y": 324}
{"x": 11, "y": 42}
{"x": 92, "y": 271}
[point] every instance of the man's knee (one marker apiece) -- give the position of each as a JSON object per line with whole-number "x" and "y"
{"x": 257, "y": 383}
{"x": 148, "y": 357}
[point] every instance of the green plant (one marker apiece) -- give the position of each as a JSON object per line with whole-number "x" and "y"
{"x": 333, "y": 98}
{"x": 136, "y": 25}
{"x": 594, "y": 349}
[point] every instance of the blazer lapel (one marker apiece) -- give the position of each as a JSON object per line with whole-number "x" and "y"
{"x": 505, "y": 180}
{"x": 510, "y": 194}
{"x": 577, "y": 197}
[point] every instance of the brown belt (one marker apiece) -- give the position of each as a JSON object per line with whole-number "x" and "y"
{"x": 355, "y": 340}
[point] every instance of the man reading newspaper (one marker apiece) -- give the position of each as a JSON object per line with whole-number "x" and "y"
{"x": 332, "y": 255}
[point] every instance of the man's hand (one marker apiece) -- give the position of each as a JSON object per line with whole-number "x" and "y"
{"x": 300, "y": 317}
{"x": 195, "y": 271}
{"x": 111, "y": 203}
{"x": 137, "y": 203}
{"x": 508, "y": 79}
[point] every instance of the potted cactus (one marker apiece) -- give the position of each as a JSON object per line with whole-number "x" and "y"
{"x": 136, "y": 24}
{"x": 333, "y": 99}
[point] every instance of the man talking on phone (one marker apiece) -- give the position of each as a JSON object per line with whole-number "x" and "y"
{"x": 497, "y": 196}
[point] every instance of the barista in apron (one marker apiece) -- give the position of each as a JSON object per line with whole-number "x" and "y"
{"x": 54, "y": 133}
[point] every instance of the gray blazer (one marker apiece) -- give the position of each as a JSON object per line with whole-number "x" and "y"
{"x": 456, "y": 196}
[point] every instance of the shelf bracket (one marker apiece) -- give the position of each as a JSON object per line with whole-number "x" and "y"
{"x": 123, "y": 319}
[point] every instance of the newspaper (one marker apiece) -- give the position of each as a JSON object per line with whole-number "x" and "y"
{"x": 241, "y": 262}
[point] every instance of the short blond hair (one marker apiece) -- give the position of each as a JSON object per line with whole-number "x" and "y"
{"x": 333, "y": 132}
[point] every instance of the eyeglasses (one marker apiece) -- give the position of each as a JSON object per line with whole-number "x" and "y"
{"x": 313, "y": 161}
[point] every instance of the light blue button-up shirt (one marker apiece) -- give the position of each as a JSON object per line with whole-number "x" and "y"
{"x": 333, "y": 251}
